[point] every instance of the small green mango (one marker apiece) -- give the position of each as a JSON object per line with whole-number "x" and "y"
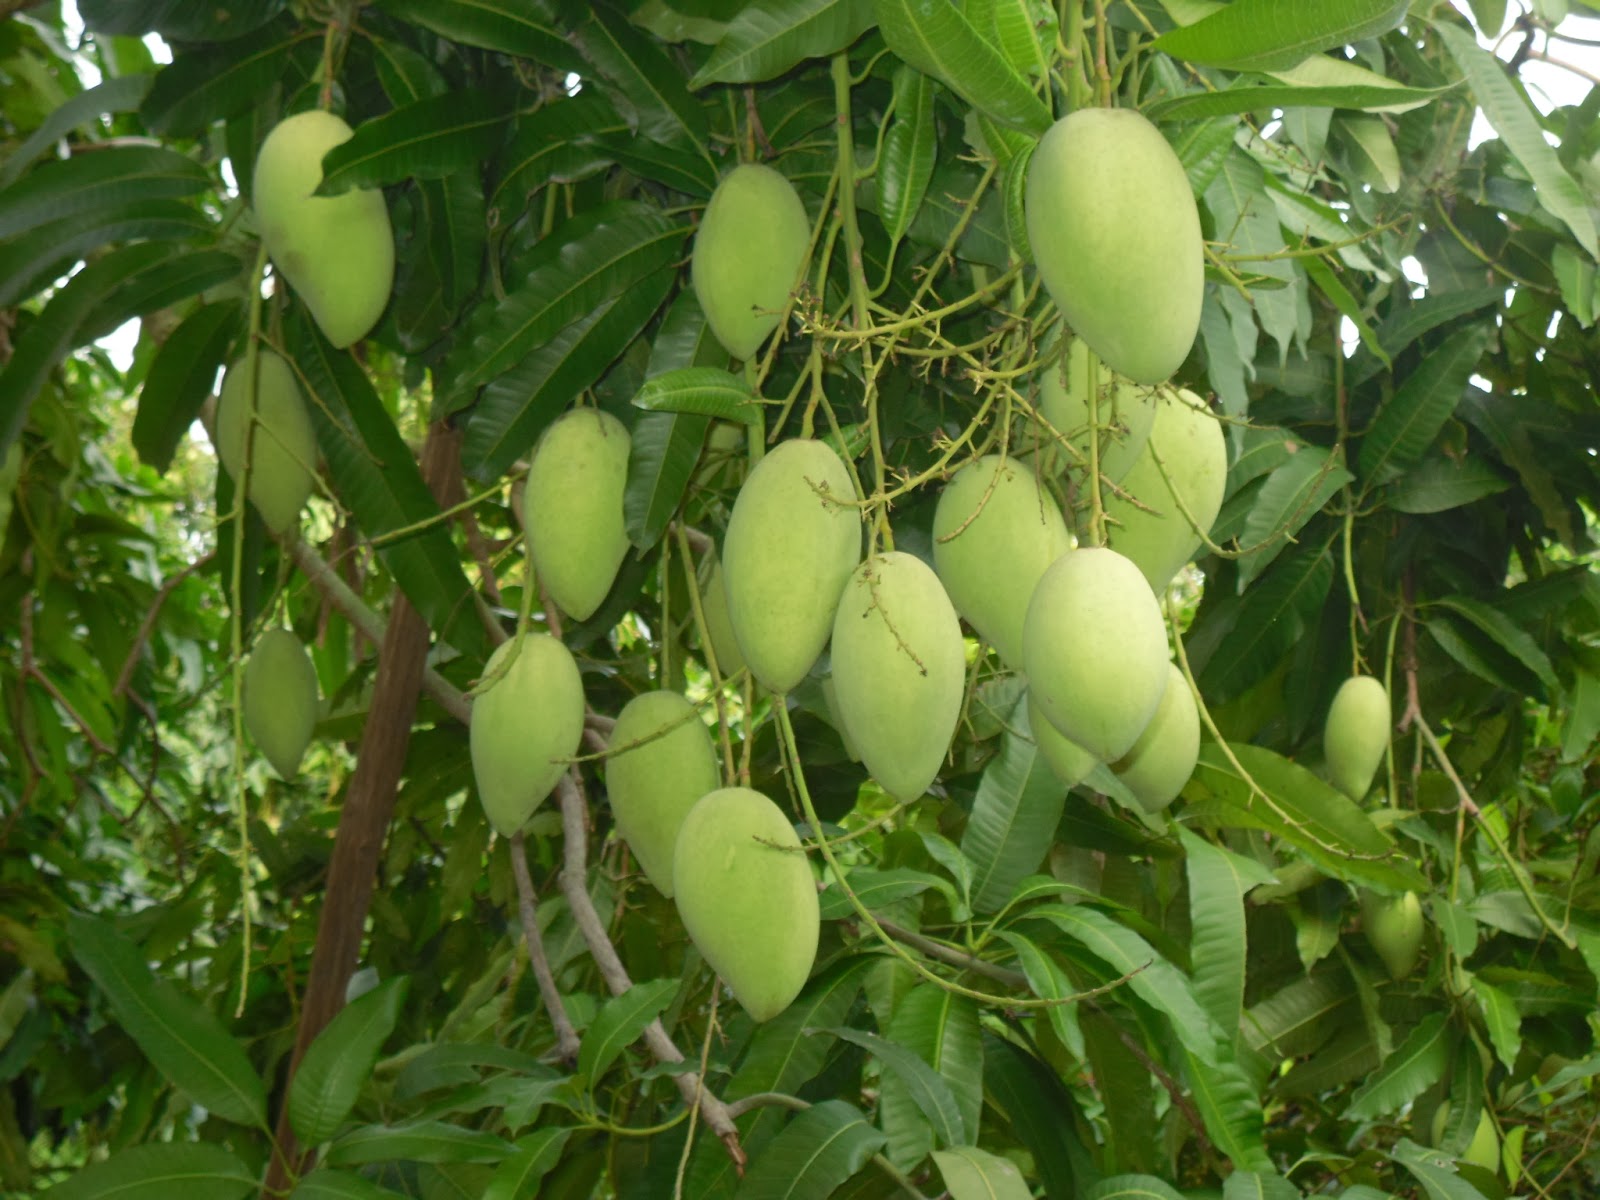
{"x": 1164, "y": 757}
{"x": 1068, "y": 761}
{"x": 747, "y": 257}
{"x": 719, "y": 625}
{"x": 283, "y": 447}
{"x": 1394, "y": 928}
{"x": 527, "y": 719}
{"x": 1116, "y": 236}
{"x": 788, "y": 553}
{"x": 899, "y": 670}
{"x": 747, "y": 897}
{"x": 1356, "y": 734}
{"x": 337, "y": 252}
{"x": 995, "y": 530}
{"x": 1484, "y": 1149}
{"x": 280, "y": 699}
{"x": 661, "y": 762}
{"x": 1194, "y": 458}
{"x": 572, "y": 508}
{"x": 1095, "y": 650}
{"x": 1124, "y": 411}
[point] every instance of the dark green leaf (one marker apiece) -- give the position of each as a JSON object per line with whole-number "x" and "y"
{"x": 666, "y": 446}
{"x": 926, "y": 1087}
{"x": 519, "y": 1176}
{"x": 1503, "y": 420}
{"x": 679, "y": 170}
{"x": 430, "y": 139}
{"x": 909, "y": 148}
{"x": 405, "y": 75}
{"x": 49, "y": 252}
{"x": 176, "y": 278}
{"x": 419, "y": 1141}
{"x": 1249, "y": 97}
{"x": 203, "y": 86}
{"x": 179, "y": 20}
{"x": 1438, "y": 484}
{"x": 942, "y": 1028}
{"x": 1416, "y": 1065}
{"x": 328, "y": 1184}
{"x": 1230, "y": 1106}
{"x": 193, "y": 1170}
{"x": 1014, "y": 815}
{"x": 521, "y": 28}
{"x": 1410, "y": 419}
{"x": 1265, "y": 35}
{"x": 1030, "y": 1095}
{"x": 1506, "y": 634}
{"x": 120, "y": 95}
{"x": 649, "y": 86}
{"x": 559, "y": 143}
{"x": 1218, "y": 881}
{"x": 1291, "y": 496}
{"x": 619, "y": 1023}
{"x": 180, "y": 378}
{"x": 457, "y": 232}
{"x": 339, "y": 1062}
{"x": 815, "y": 1153}
{"x": 707, "y": 391}
{"x": 769, "y": 37}
{"x": 878, "y": 889}
{"x": 1272, "y": 617}
{"x": 1437, "y": 1176}
{"x": 97, "y": 179}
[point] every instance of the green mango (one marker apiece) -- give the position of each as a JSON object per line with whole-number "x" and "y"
{"x": 280, "y": 699}
{"x": 337, "y": 252}
{"x": 1068, "y": 761}
{"x": 830, "y": 701}
{"x": 283, "y": 447}
{"x": 1394, "y": 928}
{"x": 719, "y": 624}
{"x": 1095, "y": 650}
{"x": 1194, "y": 458}
{"x": 527, "y": 721}
{"x": 1124, "y": 410}
{"x": 748, "y": 254}
{"x": 660, "y": 763}
{"x": 572, "y": 508}
{"x": 747, "y": 897}
{"x": 995, "y": 530}
{"x": 1164, "y": 757}
{"x": 899, "y": 670}
{"x": 1484, "y": 1149}
{"x": 1356, "y": 734}
{"x": 787, "y": 555}
{"x": 1115, "y": 233}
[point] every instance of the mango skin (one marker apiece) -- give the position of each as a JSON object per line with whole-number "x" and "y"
{"x": 525, "y": 721}
{"x": 1095, "y": 650}
{"x": 1164, "y": 757}
{"x": 1356, "y": 734}
{"x": 1195, "y": 458}
{"x": 283, "y": 448}
{"x": 280, "y": 699}
{"x": 749, "y": 904}
{"x": 1394, "y": 928}
{"x": 899, "y": 670}
{"x": 654, "y": 784}
{"x": 752, "y": 242}
{"x": 1069, "y": 762}
{"x": 992, "y": 543}
{"x": 572, "y": 508}
{"x": 787, "y": 555}
{"x": 1124, "y": 410}
{"x": 337, "y": 252}
{"x": 719, "y": 624}
{"x": 1115, "y": 233}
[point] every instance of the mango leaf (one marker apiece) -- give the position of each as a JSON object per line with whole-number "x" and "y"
{"x": 1436, "y": 1173}
{"x": 1299, "y": 1017}
{"x": 520, "y": 1175}
{"x": 1267, "y": 1184}
{"x": 769, "y": 37}
{"x": 1438, "y": 484}
{"x": 326, "y": 1183}
{"x": 32, "y": 263}
{"x": 909, "y": 149}
{"x": 428, "y": 139}
{"x": 707, "y": 391}
{"x": 179, "y": 20}
{"x": 1244, "y": 96}
{"x": 1022, "y": 30}
{"x": 666, "y": 447}
{"x": 101, "y": 178}
{"x": 181, "y": 376}
{"x": 1040, "y": 1110}
{"x": 973, "y": 1174}
{"x": 160, "y": 1171}
{"x": 1291, "y": 496}
{"x": 522, "y": 28}
{"x": 1264, "y": 35}
{"x": 648, "y": 87}
{"x": 1218, "y": 881}
{"x": 942, "y": 1029}
{"x": 1505, "y": 633}
{"x": 1272, "y": 617}
{"x": 180, "y": 1036}
{"x": 814, "y": 1155}
{"x": 1014, "y": 815}
{"x": 1416, "y": 1065}
{"x": 925, "y": 1086}
{"x": 1410, "y": 419}
{"x": 207, "y": 85}
{"x": 1518, "y": 125}
{"x": 1501, "y": 1018}
{"x": 934, "y": 37}
{"x": 1132, "y": 1187}
{"x": 1329, "y": 284}
{"x": 619, "y": 1023}
{"x": 1048, "y": 981}
{"x": 877, "y": 889}
{"x": 1230, "y": 1106}
{"x": 122, "y": 94}
{"x": 339, "y": 1062}
{"x": 419, "y": 1141}
{"x": 1503, "y": 420}
{"x": 1332, "y": 71}
{"x": 557, "y": 143}
{"x": 164, "y": 284}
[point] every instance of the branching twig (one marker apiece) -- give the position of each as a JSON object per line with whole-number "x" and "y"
{"x": 527, "y": 902}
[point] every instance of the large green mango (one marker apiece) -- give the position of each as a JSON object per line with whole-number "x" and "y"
{"x": 719, "y": 625}
{"x": 1123, "y": 410}
{"x": 283, "y": 447}
{"x": 526, "y": 722}
{"x": 789, "y": 550}
{"x": 1116, "y": 236}
{"x": 747, "y": 255}
{"x": 572, "y": 508}
{"x": 1356, "y": 734}
{"x": 1068, "y": 761}
{"x": 280, "y": 699}
{"x": 1163, "y": 758}
{"x": 337, "y": 252}
{"x": 1394, "y": 926}
{"x": 660, "y": 763}
{"x": 747, "y": 897}
{"x": 1194, "y": 458}
{"x": 995, "y": 530}
{"x": 1095, "y": 650}
{"x": 899, "y": 670}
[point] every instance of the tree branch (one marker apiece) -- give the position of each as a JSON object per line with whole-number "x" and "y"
{"x": 527, "y": 902}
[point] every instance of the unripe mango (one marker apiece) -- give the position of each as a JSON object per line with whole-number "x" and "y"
{"x": 1394, "y": 928}
{"x": 995, "y": 530}
{"x": 1095, "y": 650}
{"x": 1195, "y": 461}
{"x": 793, "y": 538}
{"x": 1356, "y": 734}
{"x": 747, "y": 257}
{"x": 337, "y": 252}
{"x": 661, "y": 763}
{"x": 526, "y": 721}
{"x": 830, "y": 701}
{"x": 1124, "y": 412}
{"x": 282, "y": 447}
{"x": 719, "y": 625}
{"x": 747, "y": 897}
{"x": 1068, "y": 761}
{"x": 1116, "y": 236}
{"x": 572, "y": 508}
{"x": 1484, "y": 1149}
{"x": 899, "y": 670}
{"x": 1163, "y": 758}
{"x": 280, "y": 699}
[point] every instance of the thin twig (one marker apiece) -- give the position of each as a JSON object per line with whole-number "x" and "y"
{"x": 527, "y": 902}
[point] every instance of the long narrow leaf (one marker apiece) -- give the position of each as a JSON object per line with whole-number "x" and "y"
{"x": 161, "y": 1171}
{"x": 1265, "y": 35}
{"x": 619, "y": 1023}
{"x": 1014, "y": 815}
{"x": 338, "y": 1064}
{"x": 430, "y": 139}
{"x": 1409, "y": 421}
{"x": 769, "y": 37}
{"x": 97, "y": 178}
